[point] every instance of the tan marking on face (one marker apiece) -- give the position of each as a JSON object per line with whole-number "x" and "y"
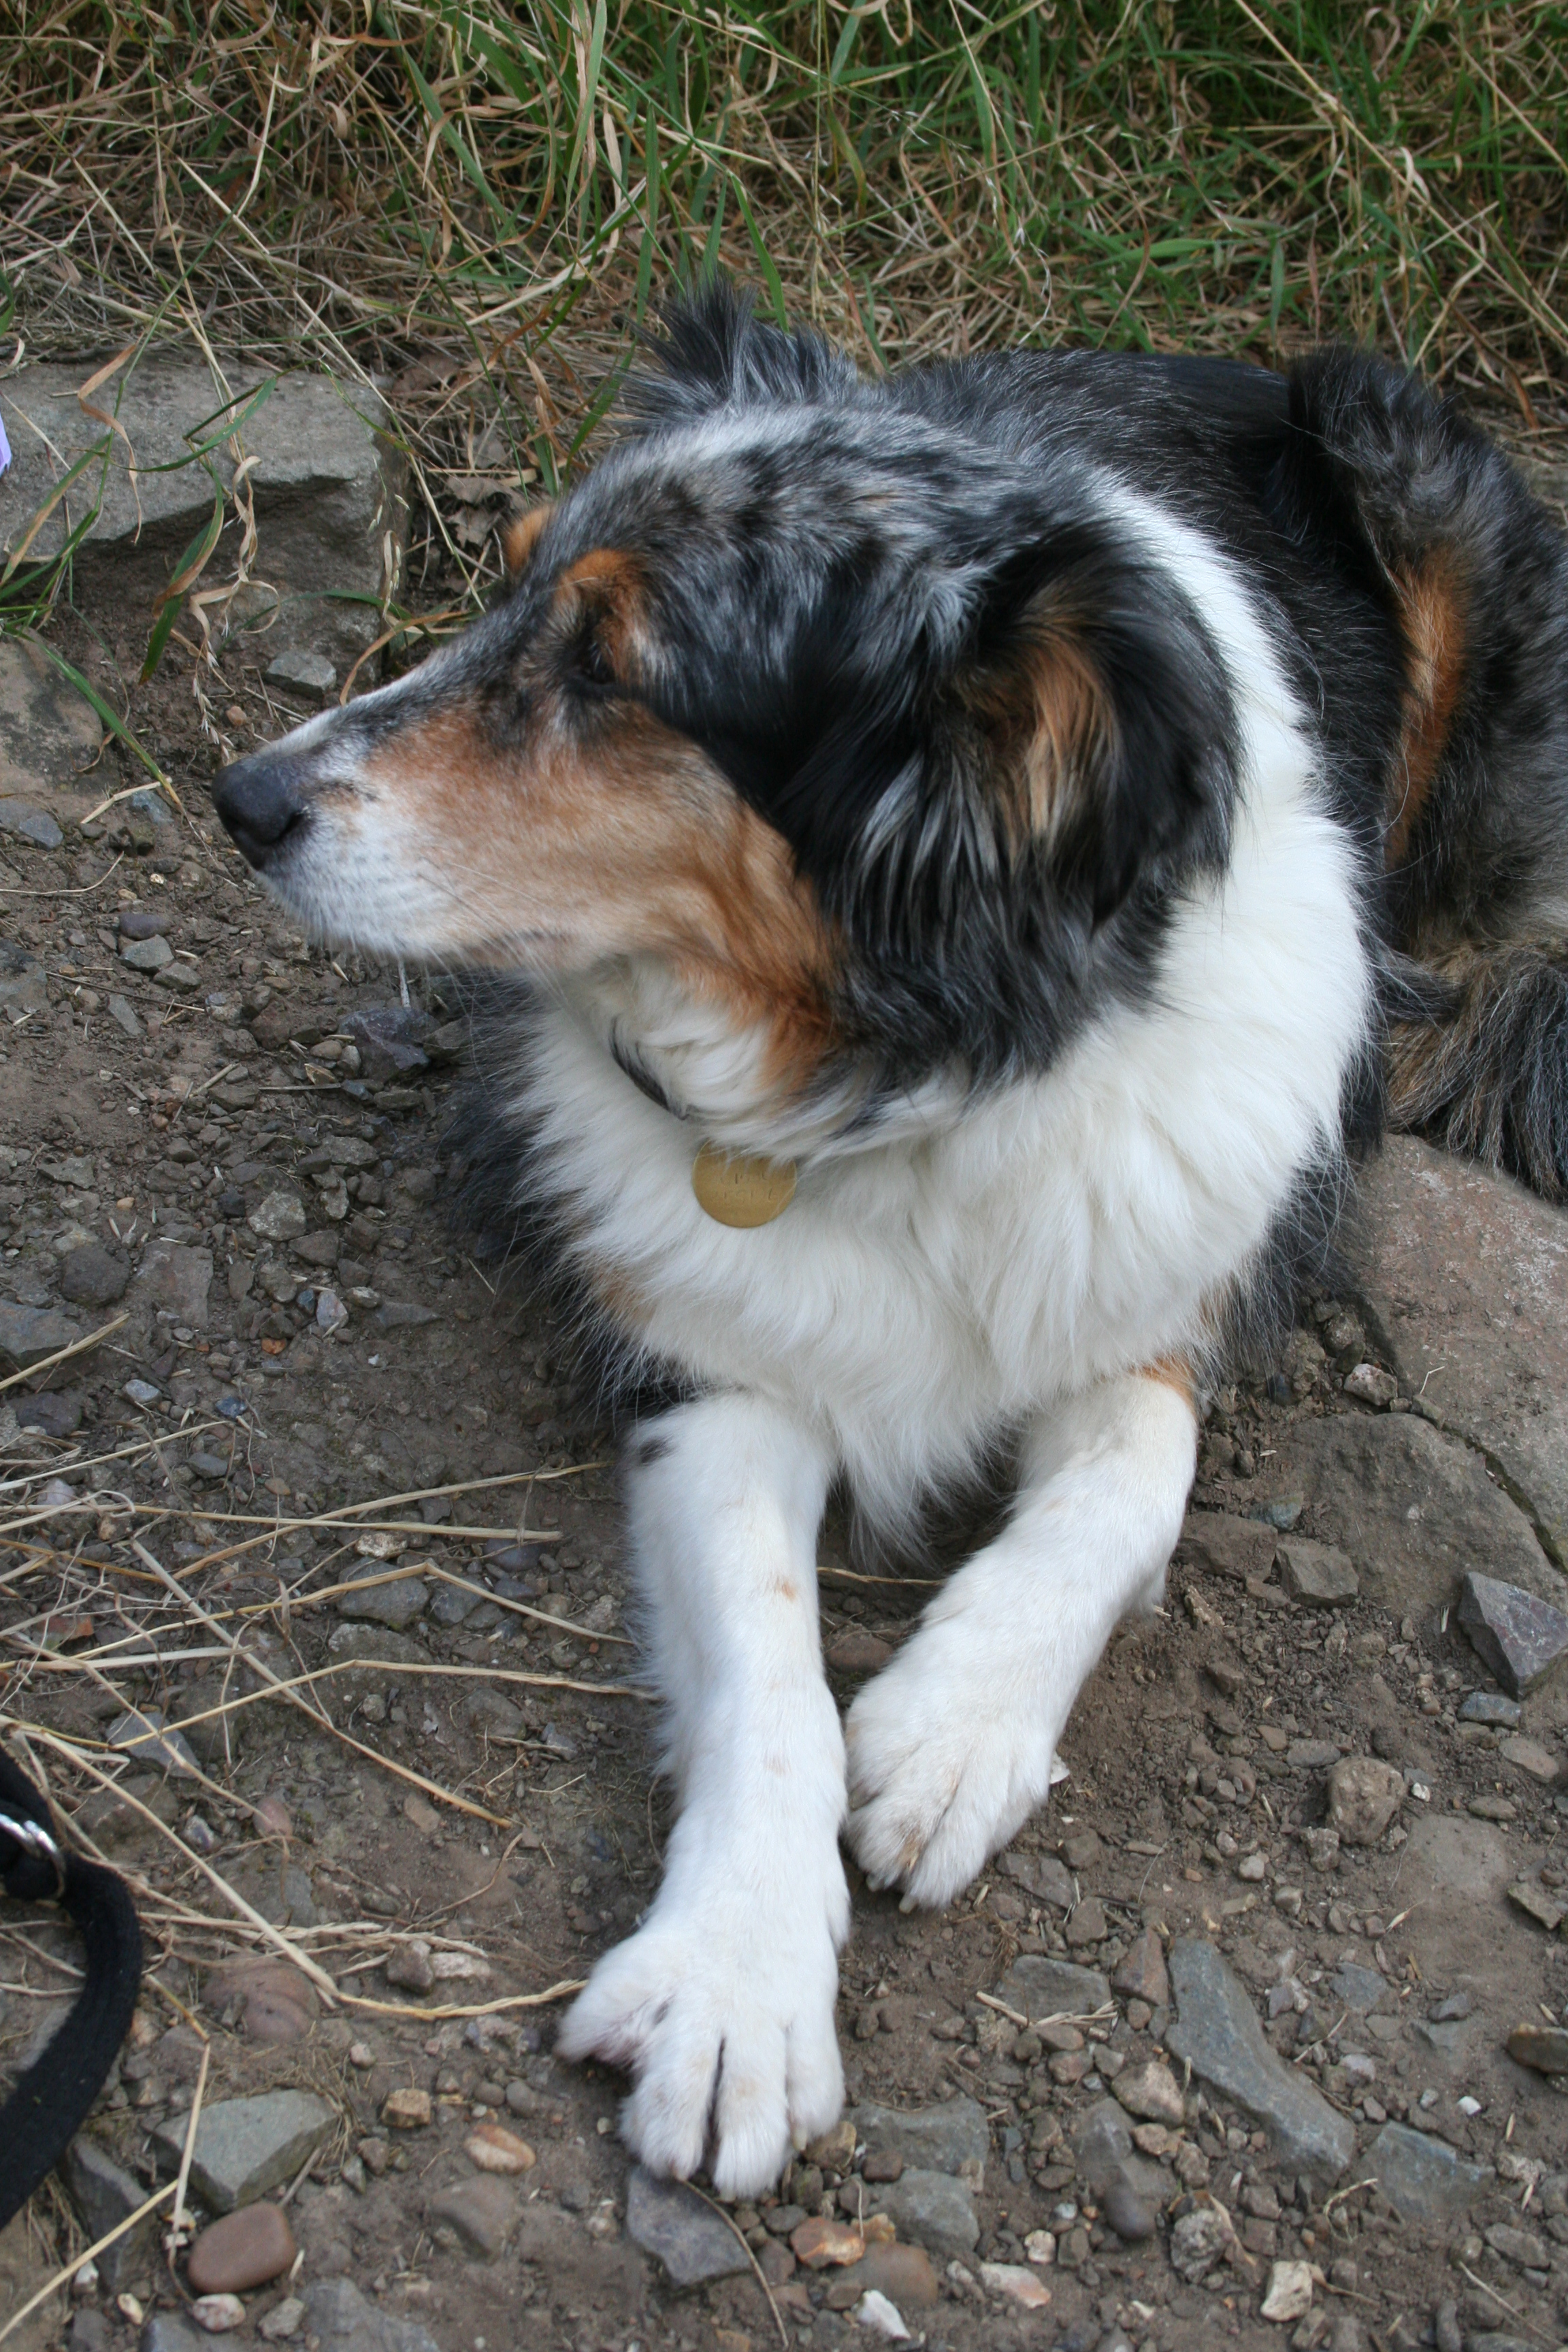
{"x": 521, "y": 535}
{"x": 605, "y": 584}
{"x": 1431, "y": 606}
{"x": 610, "y": 837}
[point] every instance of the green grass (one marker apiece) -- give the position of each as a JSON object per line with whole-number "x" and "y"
{"x": 477, "y": 202}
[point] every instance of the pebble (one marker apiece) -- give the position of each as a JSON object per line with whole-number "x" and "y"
{"x": 283, "y": 2321}
{"x": 409, "y": 1968}
{"x": 820, "y": 2243}
{"x": 483, "y": 2212}
{"x": 1129, "y": 2215}
{"x": 1538, "y": 1905}
{"x": 278, "y": 1217}
{"x": 94, "y": 1274}
{"x": 1198, "y": 2242}
{"x": 1015, "y": 2283}
{"x": 1140, "y": 1973}
{"x": 1316, "y": 1575}
{"x": 1365, "y": 1795}
{"x": 145, "y": 1733}
{"x": 1520, "y": 1638}
{"x": 1491, "y": 1706}
{"x": 1488, "y": 1808}
{"x": 670, "y": 2221}
{"x": 931, "y": 2210}
{"x": 272, "y": 1818}
{"x": 309, "y": 673}
{"x": 346, "y": 2321}
{"x": 29, "y": 822}
{"x": 1370, "y": 1384}
{"x": 27, "y": 1334}
{"x": 246, "y": 2147}
{"x": 1152, "y": 2093}
{"x": 1218, "y": 2034}
{"x": 1311, "y": 1755}
{"x": 875, "y": 2313}
{"x": 1522, "y": 2248}
{"x": 396, "y": 1605}
{"x": 495, "y": 2149}
{"x": 883, "y": 2164}
{"x": 1047, "y": 1987}
{"x": 1422, "y": 2177}
{"x": 1289, "y": 2292}
{"x": 937, "y": 2140}
{"x": 1542, "y": 2047}
{"x": 244, "y": 2250}
{"x": 147, "y": 955}
{"x": 1530, "y": 1757}
{"x": 218, "y": 2314}
{"x": 406, "y": 2110}
{"x": 124, "y": 1016}
{"x": 1087, "y": 1923}
{"x": 103, "y": 2194}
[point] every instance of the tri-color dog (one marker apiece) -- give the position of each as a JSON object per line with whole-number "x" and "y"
{"x": 980, "y": 847}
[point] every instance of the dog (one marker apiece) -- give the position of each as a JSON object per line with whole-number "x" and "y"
{"x": 984, "y": 850}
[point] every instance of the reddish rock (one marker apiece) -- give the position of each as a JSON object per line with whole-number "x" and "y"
{"x": 495, "y": 2149}
{"x": 883, "y": 2164}
{"x": 271, "y": 2002}
{"x": 1140, "y": 1974}
{"x": 822, "y": 2244}
{"x": 244, "y": 2250}
{"x": 406, "y": 2110}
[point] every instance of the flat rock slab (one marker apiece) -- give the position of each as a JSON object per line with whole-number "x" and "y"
{"x": 1044, "y": 1988}
{"x": 246, "y": 2147}
{"x": 173, "y": 1276}
{"x": 48, "y": 732}
{"x": 1518, "y": 1636}
{"x": 1421, "y": 2177}
{"x": 1414, "y": 1508}
{"x": 29, "y": 1334}
{"x": 103, "y": 2194}
{"x": 931, "y": 2210}
{"x": 945, "y": 2138}
{"x": 340, "y": 2317}
{"x": 1461, "y": 1856}
{"x": 1467, "y": 1272}
{"x": 670, "y": 2221}
{"x": 327, "y": 486}
{"x": 1218, "y": 2032}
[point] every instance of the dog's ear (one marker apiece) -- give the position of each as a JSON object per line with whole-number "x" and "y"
{"x": 715, "y": 352}
{"x": 1101, "y": 717}
{"x": 521, "y": 535}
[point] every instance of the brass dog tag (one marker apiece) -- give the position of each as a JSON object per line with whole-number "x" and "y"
{"x": 739, "y": 1188}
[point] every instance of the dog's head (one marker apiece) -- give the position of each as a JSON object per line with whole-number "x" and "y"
{"x": 857, "y": 707}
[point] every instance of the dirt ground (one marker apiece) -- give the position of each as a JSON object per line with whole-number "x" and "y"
{"x": 224, "y": 1420}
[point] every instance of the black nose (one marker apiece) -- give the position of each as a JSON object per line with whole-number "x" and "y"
{"x": 260, "y": 801}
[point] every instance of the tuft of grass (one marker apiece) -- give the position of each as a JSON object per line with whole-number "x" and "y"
{"x": 475, "y": 202}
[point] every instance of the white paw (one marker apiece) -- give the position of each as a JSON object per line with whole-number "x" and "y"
{"x": 946, "y": 1760}
{"x": 721, "y": 2009}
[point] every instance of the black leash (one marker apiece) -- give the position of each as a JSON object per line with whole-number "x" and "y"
{"x": 51, "y": 2100}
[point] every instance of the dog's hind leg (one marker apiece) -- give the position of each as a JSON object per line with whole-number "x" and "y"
{"x": 950, "y": 1749}
{"x": 721, "y": 2005}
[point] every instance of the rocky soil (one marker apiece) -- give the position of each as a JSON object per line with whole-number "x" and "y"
{"x": 1251, "y": 2037}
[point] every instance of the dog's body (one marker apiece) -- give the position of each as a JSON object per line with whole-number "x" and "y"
{"x": 1022, "y": 808}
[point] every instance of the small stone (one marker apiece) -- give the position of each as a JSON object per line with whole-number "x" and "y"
{"x": 1253, "y": 1868}
{"x": 1044, "y": 1877}
{"x": 1365, "y": 1795}
{"x": 1015, "y": 2283}
{"x": 145, "y": 1733}
{"x": 246, "y": 2147}
{"x": 1491, "y": 1706}
{"x": 1522, "y": 2248}
{"x": 1370, "y": 1384}
{"x": 278, "y": 1217}
{"x": 1200, "y": 2240}
{"x": 943, "y": 2138}
{"x": 283, "y": 2322}
{"x": 390, "y": 1039}
{"x": 94, "y": 1274}
{"x": 141, "y": 923}
{"x": 103, "y": 2194}
{"x": 931, "y": 2210}
{"x": 1487, "y": 1808}
{"x": 495, "y": 2149}
{"x": 1422, "y": 2177}
{"x": 165, "y": 2331}
{"x": 820, "y": 2243}
{"x": 308, "y": 673}
{"x": 124, "y": 1016}
{"x": 218, "y": 2314}
{"x": 904, "y": 2273}
{"x": 384, "y": 1604}
{"x": 1218, "y": 2034}
{"x": 1446, "y": 2333}
{"x": 1141, "y": 1974}
{"x": 397, "y": 1315}
{"x": 1152, "y": 2093}
{"x": 1538, "y": 1905}
{"x": 244, "y": 2250}
{"x": 1542, "y": 2047}
{"x": 1129, "y": 2215}
{"x": 409, "y": 1968}
{"x": 857, "y": 1652}
{"x": 1289, "y": 2292}
{"x": 832, "y": 2151}
{"x": 1040, "y": 2245}
{"x": 1518, "y": 1637}
{"x": 345, "y": 2321}
{"x": 29, "y": 824}
{"x": 1530, "y": 1756}
{"x": 1316, "y": 1575}
{"x": 670, "y": 2221}
{"x": 146, "y": 955}
{"x": 406, "y": 2110}
{"x": 483, "y": 2212}
{"x": 29, "y": 1334}
{"x": 1087, "y": 1923}
{"x": 273, "y": 2004}
{"x": 883, "y": 2164}
{"x": 875, "y": 2313}
{"x": 177, "y": 1279}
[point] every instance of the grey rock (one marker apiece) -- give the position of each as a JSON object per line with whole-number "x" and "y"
{"x": 1460, "y": 1856}
{"x": 246, "y": 2147}
{"x": 386, "y": 1605}
{"x": 184, "y": 977}
{"x": 23, "y": 986}
{"x": 1464, "y": 1273}
{"x": 340, "y": 2315}
{"x": 1365, "y": 1795}
{"x": 931, "y": 2210}
{"x": 1199, "y": 2241}
{"x": 29, "y": 1334}
{"x": 452, "y": 1604}
{"x": 328, "y": 489}
{"x": 29, "y": 824}
{"x": 1520, "y": 1636}
{"x": 1491, "y": 1706}
{"x": 487, "y": 1710}
{"x": 145, "y": 1733}
{"x": 1360, "y": 1989}
{"x": 48, "y": 732}
{"x": 306, "y": 673}
{"x": 1046, "y": 1988}
{"x": 177, "y": 1279}
{"x": 1311, "y": 1755}
{"x": 141, "y": 923}
{"x": 103, "y": 2193}
{"x": 391, "y": 1040}
{"x": 166, "y": 2331}
{"x": 146, "y": 955}
{"x": 396, "y": 1315}
{"x": 483, "y": 2212}
{"x": 1102, "y": 2150}
{"x": 352, "y": 1644}
{"x": 95, "y": 1275}
{"x": 278, "y": 1217}
{"x": 670, "y": 2221}
{"x": 944, "y": 2138}
{"x": 1130, "y": 2216}
{"x": 1044, "y": 1877}
{"x": 124, "y": 1016}
{"x": 1216, "y": 2032}
{"x": 57, "y": 1413}
{"x": 1413, "y": 1507}
{"x": 1421, "y": 2177}
{"x": 1317, "y": 1575}
{"x": 1225, "y": 1544}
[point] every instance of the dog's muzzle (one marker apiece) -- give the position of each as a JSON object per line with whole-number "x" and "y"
{"x": 262, "y": 803}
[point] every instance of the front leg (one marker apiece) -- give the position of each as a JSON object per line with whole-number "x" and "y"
{"x": 951, "y": 1746}
{"x": 721, "y": 2005}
